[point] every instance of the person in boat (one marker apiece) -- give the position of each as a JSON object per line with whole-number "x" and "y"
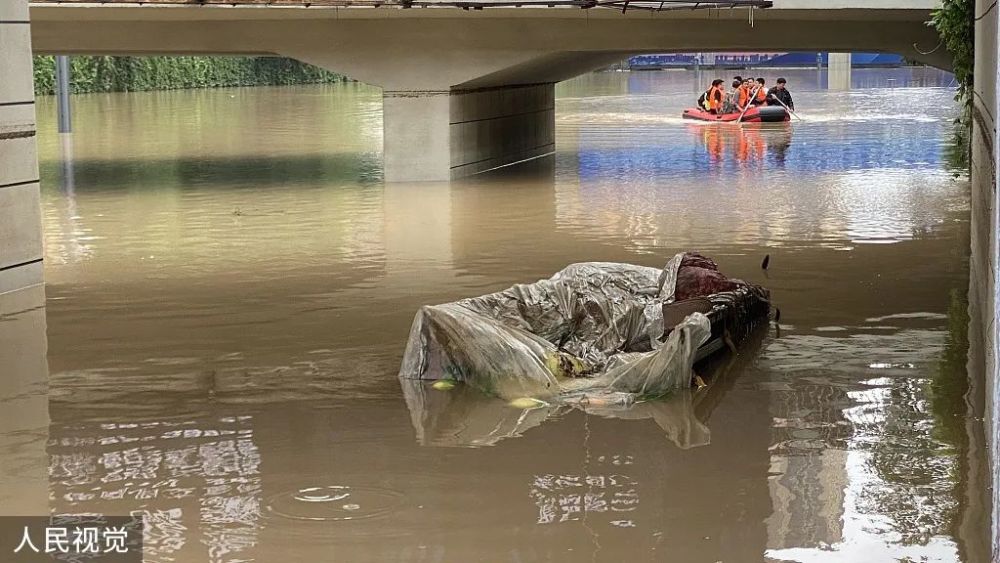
{"x": 780, "y": 94}
{"x": 713, "y": 99}
{"x": 746, "y": 93}
{"x": 732, "y": 103}
{"x": 761, "y": 97}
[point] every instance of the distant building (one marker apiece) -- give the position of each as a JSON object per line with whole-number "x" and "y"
{"x": 795, "y": 59}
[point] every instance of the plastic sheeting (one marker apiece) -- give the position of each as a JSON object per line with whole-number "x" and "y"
{"x": 465, "y": 417}
{"x": 594, "y": 332}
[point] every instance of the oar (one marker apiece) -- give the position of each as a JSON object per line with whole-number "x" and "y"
{"x": 749, "y": 103}
{"x": 788, "y": 109}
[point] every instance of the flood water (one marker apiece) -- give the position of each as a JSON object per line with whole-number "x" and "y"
{"x": 230, "y": 286}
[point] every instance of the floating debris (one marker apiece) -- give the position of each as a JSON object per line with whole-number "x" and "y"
{"x": 528, "y": 403}
{"x": 444, "y": 384}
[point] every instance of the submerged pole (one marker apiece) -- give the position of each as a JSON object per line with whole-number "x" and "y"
{"x": 62, "y": 94}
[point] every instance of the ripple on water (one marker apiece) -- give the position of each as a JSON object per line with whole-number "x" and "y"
{"x": 334, "y": 503}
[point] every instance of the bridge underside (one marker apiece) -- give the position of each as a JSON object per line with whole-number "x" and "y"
{"x": 468, "y": 91}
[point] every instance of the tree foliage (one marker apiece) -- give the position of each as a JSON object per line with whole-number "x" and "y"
{"x": 125, "y": 74}
{"x": 955, "y": 22}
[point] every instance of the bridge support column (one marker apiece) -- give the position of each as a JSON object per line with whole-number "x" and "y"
{"x": 20, "y": 216}
{"x": 839, "y": 71}
{"x": 415, "y": 136}
{"x": 438, "y": 135}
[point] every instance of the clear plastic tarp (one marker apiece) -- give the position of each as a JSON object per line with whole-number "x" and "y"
{"x": 593, "y": 332}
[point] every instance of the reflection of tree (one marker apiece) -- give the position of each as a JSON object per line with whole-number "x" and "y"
{"x": 950, "y": 384}
{"x": 957, "y": 406}
{"x": 957, "y": 152}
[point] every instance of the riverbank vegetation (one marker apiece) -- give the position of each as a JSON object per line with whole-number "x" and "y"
{"x": 127, "y": 74}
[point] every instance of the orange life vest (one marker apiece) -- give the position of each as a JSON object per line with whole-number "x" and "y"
{"x": 714, "y": 98}
{"x": 744, "y": 97}
{"x": 762, "y": 94}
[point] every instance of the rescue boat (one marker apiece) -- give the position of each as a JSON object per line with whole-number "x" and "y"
{"x": 756, "y": 114}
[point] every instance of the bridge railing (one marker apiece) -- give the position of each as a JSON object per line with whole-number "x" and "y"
{"x": 623, "y": 5}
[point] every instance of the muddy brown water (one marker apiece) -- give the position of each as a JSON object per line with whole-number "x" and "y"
{"x": 230, "y": 286}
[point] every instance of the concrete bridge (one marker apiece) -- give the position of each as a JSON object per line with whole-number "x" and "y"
{"x": 470, "y": 90}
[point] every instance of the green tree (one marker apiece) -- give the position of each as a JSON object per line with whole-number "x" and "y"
{"x": 127, "y": 74}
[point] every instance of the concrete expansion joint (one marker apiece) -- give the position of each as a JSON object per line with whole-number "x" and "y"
{"x": 21, "y": 264}
{"x": 20, "y": 183}
{"x": 496, "y": 88}
{"x": 517, "y": 161}
{"x": 23, "y": 134}
{"x": 506, "y": 116}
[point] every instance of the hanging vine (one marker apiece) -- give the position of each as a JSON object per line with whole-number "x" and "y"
{"x": 955, "y": 21}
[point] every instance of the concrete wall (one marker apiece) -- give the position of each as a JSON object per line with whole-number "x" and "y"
{"x": 984, "y": 333}
{"x": 438, "y": 135}
{"x": 497, "y": 126}
{"x": 23, "y": 366}
{"x": 415, "y": 135}
{"x": 20, "y": 217}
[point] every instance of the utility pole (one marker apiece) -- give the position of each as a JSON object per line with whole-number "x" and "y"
{"x": 62, "y": 94}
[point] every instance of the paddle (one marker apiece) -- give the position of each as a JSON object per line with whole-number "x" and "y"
{"x": 788, "y": 109}
{"x": 749, "y": 103}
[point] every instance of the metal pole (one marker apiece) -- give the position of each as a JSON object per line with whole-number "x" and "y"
{"x": 62, "y": 94}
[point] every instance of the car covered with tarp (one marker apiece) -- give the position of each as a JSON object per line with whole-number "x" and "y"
{"x": 597, "y": 332}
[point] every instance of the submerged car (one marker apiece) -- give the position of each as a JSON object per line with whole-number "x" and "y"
{"x": 596, "y": 332}
{"x": 466, "y": 417}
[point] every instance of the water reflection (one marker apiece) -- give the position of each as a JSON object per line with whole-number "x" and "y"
{"x": 859, "y": 465}
{"x": 464, "y": 416}
{"x": 24, "y": 407}
{"x": 179, "y": 475}
{"x": 230, "y": 288}
{"x": 751, "y": 145}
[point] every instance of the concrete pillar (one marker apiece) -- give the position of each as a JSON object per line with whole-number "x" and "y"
{"x": 62, "y": 94}
{"x": 494, "y": 127}
{"x": 20, "y": 215}
{"x": 839, "y": 71}
{"x": 415, "y": 137}
{"x": 443, "y": 134}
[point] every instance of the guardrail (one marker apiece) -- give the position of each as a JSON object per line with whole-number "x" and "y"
{"x": 623, "y": 5}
